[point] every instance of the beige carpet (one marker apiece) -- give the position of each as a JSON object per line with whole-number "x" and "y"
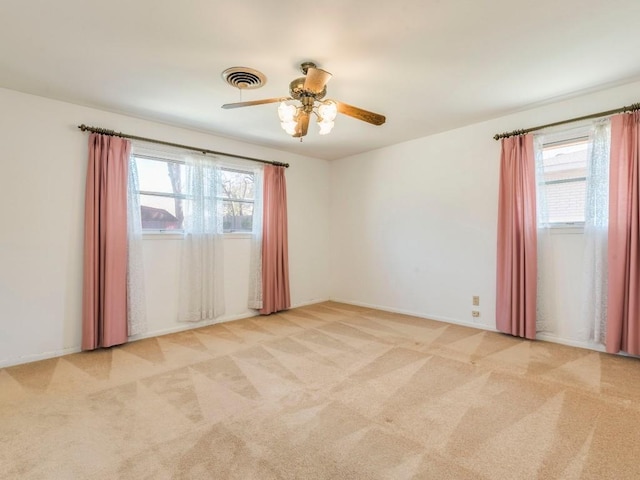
{"x": 327, "y": 391}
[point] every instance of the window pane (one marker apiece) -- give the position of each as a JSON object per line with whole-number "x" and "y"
{"x": 238, "y": 216}
{"x": 565, "y": 201}
{"x": 237, "y": 185}
{"x": 164, "y": 212}
{"x": 565, "y": 162}
{"x": 159, "y": 176}
{"x": 161, "y": 213}
{"x": 565, "y": 171}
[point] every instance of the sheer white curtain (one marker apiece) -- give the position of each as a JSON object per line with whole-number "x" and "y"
{"x": 202, "y": 270}
{"x": 136, "y": 306}
{"x": 255, "y": 267}
{"x": 549, "y": 302}
{"x": 546, "y": 302}
{"x": 592, "y": 318}
{"x": 596, "y": 229}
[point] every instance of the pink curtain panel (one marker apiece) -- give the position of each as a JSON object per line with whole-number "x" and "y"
{"x": 623, "y": 307}
{"x": 275, "y": 249}
{"x": 104, "y": 309}
{"x": 516, "y": 287}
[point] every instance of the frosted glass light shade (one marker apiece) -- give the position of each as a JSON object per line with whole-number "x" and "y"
{"x": 286, "y": 112}
{"x": 325, "y": 127}
{"x": 328, "y": 111}
{"x": 289, "y": 127}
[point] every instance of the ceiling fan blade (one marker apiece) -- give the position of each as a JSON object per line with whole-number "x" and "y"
{"x": 360, "y": 114}
{"x": 303, "y": 125}
{"x": 316, "y": 79}
{"x": 255, "y": 102}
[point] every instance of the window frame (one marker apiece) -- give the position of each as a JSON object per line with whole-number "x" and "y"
{"x": 178, "y": 232}
{"x": 561, "y": 138}
{"x": 244, "y": 171}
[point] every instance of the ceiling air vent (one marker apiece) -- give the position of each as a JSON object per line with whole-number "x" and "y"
{"x": 243, "y": 77}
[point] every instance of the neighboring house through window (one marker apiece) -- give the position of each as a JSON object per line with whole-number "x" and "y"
{"x": 564, "y": 179}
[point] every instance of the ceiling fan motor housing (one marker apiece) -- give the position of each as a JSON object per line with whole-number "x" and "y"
{"x": 297, "y": 91}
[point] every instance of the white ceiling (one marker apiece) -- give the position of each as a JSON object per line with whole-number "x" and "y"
{"x": 428, "y": 65}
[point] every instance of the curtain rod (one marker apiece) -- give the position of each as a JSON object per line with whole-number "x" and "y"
{"x": 105, "y": 131}
{"x": 630, "y": 108}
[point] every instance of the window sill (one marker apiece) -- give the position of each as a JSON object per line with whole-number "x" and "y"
{"x": 566, "y": 228}
{"x": 162, "y": 235}
{"x": 175, "y": 235}
{"x": 236, "y": 236}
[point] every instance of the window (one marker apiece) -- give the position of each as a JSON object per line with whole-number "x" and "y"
{"x": 161, "y": 190}
{"x": 564, "y": 165}
{"x": 237, "y": 191}
{"x": 161, "y": 197}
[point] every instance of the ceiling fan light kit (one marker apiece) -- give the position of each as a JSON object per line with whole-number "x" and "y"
{"x": 310, "y": 91}
{"x": 290, "y": 115}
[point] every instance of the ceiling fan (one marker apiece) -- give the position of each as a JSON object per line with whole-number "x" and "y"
{"x": 310, "y": 91}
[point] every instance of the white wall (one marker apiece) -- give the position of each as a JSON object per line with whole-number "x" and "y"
{"x": 414, "y": 225}
{"x": 563, "y": 286}
{"x": 43, "y": 165}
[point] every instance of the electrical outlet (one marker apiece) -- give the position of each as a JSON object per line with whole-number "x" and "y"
{"x": 476, "y": 300}
{"x": 475, "y": 313}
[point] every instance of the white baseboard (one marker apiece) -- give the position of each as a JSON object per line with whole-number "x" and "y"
{"x": 251, "y": 313}
{"x": 191, "y": 325}
{"x": 437, "y": 318}
{"x": 10, "y": 362}
{"x": 310, "y": 302}
{"x": 547, "y": 337}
